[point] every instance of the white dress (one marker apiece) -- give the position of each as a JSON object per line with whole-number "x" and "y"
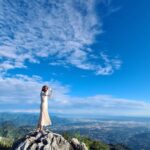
{"x": 44, "y": 118}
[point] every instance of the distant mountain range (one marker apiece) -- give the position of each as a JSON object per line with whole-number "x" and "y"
{"x": 129, "y": 131}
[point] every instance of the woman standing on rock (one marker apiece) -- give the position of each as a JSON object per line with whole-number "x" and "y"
{"x": 44, "y": 119}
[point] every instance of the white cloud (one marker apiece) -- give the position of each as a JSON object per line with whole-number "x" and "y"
{"x": 21, "y": 94}
{"x": 24, "y": 89}
{"x": 64, "y": 30}
{"x": 21, "y": 110}
{"x": 109, "y": 65}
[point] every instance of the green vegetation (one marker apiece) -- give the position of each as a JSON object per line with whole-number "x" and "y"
{"x": 9, "y": 130}
{"x": 5, "y": 143}
{"x": 9, "y": 133}
{"x": 91, "y": 144}
{"x": 94, "y": 144}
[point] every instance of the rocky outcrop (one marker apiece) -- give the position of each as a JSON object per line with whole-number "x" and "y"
{"x": 47, "y": 140}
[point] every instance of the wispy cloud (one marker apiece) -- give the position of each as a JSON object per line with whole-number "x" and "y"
{"x": 24, "y": 89}
{"x": 62, "y": 30}
{"x": 22, "y": 93}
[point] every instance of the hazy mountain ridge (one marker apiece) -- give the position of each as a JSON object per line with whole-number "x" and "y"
{"x": 125, "y": 131}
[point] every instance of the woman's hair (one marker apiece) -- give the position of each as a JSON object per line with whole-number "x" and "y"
{"x": 44, "y": 87}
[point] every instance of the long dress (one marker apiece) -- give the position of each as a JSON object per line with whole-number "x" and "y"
{"x": 44, "y": 119}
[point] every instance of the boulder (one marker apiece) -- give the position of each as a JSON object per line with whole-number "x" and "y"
{"x": 47, "y": 140}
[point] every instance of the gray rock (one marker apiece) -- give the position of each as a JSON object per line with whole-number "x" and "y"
{"x": 47, "y": 140}
{"x": 40, "y": 145}
{"x": 26, "y": 144}
{"x": 77, "y": 145}
{"x": 33, "y": 146}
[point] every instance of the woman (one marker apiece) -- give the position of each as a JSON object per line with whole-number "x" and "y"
{"x": 44, "y": 119}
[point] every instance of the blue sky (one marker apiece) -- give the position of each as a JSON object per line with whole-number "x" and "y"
{"x": 94, "y": 54}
